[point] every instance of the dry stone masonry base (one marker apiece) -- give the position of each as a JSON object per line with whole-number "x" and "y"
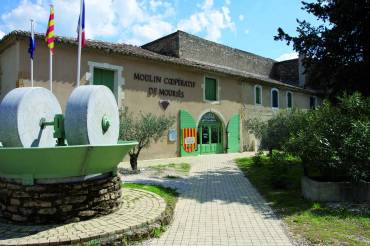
{"x": 61, "y": 202}
{"x": 140, "y": 213}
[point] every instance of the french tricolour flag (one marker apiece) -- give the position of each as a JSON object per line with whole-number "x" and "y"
{"x": 83, "y": 41}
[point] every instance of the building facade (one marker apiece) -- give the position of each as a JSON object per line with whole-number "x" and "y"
{"x": 210, "y": 88}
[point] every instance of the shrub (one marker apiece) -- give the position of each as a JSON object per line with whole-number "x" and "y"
{"x": 277, "y": 130}
{"x": 279, "y": 170}
{"x": 334, "y": 144}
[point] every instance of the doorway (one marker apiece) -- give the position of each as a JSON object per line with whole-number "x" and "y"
{"x": 210, "y": 134}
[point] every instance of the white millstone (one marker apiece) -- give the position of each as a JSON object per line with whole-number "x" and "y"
{"x": 20, "y": 113}
{"x": 85, "y": 110}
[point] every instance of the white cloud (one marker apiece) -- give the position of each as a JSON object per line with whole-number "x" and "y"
{"x": 209, "y": 19}
{"x": 152, "y": 30}
{"x": 2, "y": 34}
{"x": 19, "y": 17}
{"x": 241, "y": 17}
{"x": 287, "y": 56}
{"x": 133, "y": 21}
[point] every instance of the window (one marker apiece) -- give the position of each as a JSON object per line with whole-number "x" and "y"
{"x": 109, "y": 75}
{"x": 275, "y": 98}
{"x": 289, "y": 99}
{"x": 210, "y": 90}
{"x": 104, "y": 77}
{"x": 258, "y": 95}
{"x": 312, "y": 102}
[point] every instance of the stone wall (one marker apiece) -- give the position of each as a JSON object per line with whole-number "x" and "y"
{"x": 183, "y": 45}
{"x": 286, "y": 71}
{"x": 168, "y": 45}
{"x": 61, "y": 202}
{"x": 335, "y": 191}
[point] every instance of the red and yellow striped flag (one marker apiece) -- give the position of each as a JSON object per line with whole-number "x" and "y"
{"x": 49, "y": 37}
{"x": 189, "y": 139}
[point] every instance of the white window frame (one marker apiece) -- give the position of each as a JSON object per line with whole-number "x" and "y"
{"x": 119, "y": 81}
{"x": 272, "y": 101}
{"x": 217, "y": 101}
{"x": 286, "y": 98}
{"x": 255, "y": 96}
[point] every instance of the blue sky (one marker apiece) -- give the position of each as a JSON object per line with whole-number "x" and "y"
{"x": 245, "y": 24}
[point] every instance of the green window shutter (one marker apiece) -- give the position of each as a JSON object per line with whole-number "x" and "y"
{"x": 104, "y": 77}
{"x": 312, "y": 102}
{"x": 258, "y": 95}
{"x": 289, "y": 98}
{"x": 211, "y": 89}
{"x": 275, "y": 99}
{"x": 233, "y": 134}
{"x": 186, "y": 121}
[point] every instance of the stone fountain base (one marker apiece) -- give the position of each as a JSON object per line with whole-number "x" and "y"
{"x": 67, "y": 201}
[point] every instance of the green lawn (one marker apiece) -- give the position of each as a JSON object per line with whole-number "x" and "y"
{"x": 315, "y": 222}
{"x": 169, "y": 195}
{"x": 173, "y": 168}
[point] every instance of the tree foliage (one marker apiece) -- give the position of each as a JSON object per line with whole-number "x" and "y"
{"x": 277, "y": 130}
{"x": 336, "y": 53}
{"x": 333, "y": 142}
{"x": 144, "y": 128}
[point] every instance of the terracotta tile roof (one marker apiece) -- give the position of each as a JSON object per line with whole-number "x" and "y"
{"x": 136, "y": 51}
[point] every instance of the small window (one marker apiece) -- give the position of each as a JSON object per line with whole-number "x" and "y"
{"x": 275, "y": 98}
{"x": 210, "y": 91}
{"x": 312, "y": 102}
{"x": 258, "y": 95}
{"x": 289, "y": 99}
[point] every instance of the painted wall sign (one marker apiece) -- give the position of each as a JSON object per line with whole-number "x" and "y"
{"x": 172, "y": 135}
{"x": 155, "y": 79}
{"x": 189, "y": 139}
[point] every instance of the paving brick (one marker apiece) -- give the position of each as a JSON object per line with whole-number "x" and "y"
{"x": 217, "y": 205}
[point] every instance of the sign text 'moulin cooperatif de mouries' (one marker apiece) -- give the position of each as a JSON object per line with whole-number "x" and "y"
{"x": 155, "y": 79}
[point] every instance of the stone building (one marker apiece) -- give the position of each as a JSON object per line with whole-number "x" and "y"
{"x": 210, "y": 88}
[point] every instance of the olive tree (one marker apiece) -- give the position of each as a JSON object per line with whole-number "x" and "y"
{"x": 144, "y": 128}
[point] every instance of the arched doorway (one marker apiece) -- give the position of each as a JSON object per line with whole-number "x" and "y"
{"x": 210, "y": 134}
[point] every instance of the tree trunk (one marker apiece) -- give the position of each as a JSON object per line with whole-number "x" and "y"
{"x": 133, "y": 161}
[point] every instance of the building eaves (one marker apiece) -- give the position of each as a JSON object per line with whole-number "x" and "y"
{"x": 135, "y": 51}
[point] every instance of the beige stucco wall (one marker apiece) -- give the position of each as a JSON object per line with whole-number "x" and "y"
{"x": 236, "y": 95}
{"x": 9, "y": 65}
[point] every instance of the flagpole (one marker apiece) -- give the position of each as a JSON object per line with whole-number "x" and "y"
{"x": 51, "y": 70}
{"x": 79, "y": 45}
{"x": 33, "y": 38}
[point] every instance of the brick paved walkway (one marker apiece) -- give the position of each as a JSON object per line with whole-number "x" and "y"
{"x": 139, "y": 207}
{"x": 218, "y": 206}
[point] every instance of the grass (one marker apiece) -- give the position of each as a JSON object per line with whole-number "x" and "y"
{"x": 169, "y": 195}
{"x": 181, "y": 168}
{"x": 315, "y": 222}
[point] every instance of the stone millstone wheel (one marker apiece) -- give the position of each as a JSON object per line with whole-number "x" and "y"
{"x": 20, "y": 113}
{"x": 91, "y": 116}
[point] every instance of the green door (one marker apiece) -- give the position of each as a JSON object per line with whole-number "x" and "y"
{"x": 233, "y": 134}
{"x": 104, "y": 77}
{"x": 210, "y": 134}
